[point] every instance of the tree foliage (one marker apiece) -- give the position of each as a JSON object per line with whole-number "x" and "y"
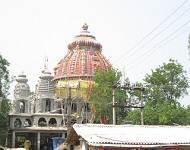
{"x": 164, "y": 87}
{"x": 4, "y": 103}
{"x": 163, "y": 114}
{"x": 167, "y": 83}
{"x": 101, "y": 97}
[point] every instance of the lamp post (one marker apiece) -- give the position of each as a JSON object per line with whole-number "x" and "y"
{"x": 0, "y": 102}
{"x": 113, "y": 102}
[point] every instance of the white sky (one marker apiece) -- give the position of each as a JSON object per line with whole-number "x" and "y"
{"x": 33, "y": 29}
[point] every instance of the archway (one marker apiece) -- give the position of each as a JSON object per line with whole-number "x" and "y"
{"x": 52, "y": 122}
{"x": 27, "y": 123}
{"x": 74, "y": 107}
{"x": 17, "y": 123}
{"x": 42, "y": 122}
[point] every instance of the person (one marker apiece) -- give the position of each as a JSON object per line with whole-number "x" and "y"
{"x": 27, "y": 145}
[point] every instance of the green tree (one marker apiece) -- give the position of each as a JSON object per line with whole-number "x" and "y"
{"x": 4, "y": 103}
{"x": 167, "y": 83}
{"x": 188, "y": 115}
{"x": 163, "y": 114}
{"x": 101, "y": 97}
{"x": 164, "y": 87}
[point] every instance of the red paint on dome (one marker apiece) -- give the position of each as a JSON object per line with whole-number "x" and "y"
{"x": 83, "y": 58}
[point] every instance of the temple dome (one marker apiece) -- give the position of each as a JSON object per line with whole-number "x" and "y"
{"x": 83, "y": 57}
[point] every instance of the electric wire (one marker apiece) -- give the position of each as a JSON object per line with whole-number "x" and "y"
{"x": 154, "y": 29}
{"x": 148, "y": 60}
{"x": 132, "y": 54}
{"x": 158, "y": 44}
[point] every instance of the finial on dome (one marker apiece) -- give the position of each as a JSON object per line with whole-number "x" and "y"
{"x": 85, "y": 27}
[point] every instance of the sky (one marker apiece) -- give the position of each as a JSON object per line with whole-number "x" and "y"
{"x": 136, "y": 35}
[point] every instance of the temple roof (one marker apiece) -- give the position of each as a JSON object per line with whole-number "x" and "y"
{"x": 83, "y": 57}
{"x": 84, "y": 38}
{"x": 133, "y": 135}
{"x": 22, "y": 89}
{"x": 22, "y": 78}
{"x": 45, "y": 88}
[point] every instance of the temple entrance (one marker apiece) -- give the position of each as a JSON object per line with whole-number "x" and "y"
{"x": 21, "y": 138}
{"x": 48, "y": 141}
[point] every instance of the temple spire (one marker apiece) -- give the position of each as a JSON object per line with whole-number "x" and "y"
{"x": 46, "y": 63}
{"x": 85, "y": 27}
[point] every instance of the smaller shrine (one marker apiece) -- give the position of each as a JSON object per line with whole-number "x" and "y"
{"x": 33, "y": 117}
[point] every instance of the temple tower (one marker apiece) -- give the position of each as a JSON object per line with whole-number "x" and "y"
{"x": 45, "y": 92}
{"x": 22, "y": 95}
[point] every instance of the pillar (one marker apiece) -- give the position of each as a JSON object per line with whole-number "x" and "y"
{"x": 13, "y": 139}
{"x": 38, "y": 141}
{"x": 113, "y": 102}
{"x": 63, "y": 135}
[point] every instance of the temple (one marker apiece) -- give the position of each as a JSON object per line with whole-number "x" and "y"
{"x": 58, "y": 101}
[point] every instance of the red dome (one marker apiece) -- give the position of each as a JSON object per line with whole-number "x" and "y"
{"x": 83, "y": 57}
